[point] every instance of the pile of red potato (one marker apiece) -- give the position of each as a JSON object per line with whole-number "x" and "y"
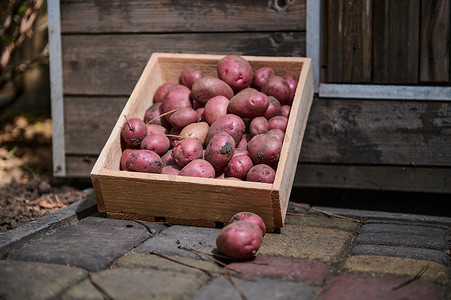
{"x": 231, "y": 126}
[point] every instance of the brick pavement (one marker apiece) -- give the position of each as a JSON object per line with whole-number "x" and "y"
{"x": 78, "y": 254}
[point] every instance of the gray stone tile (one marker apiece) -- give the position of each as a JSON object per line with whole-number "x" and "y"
{"x": 138, "y": 283}
{"x": 262, "y": 288}
{"x": 407, "y": 229}
{"x": 168, "y": 241}
{"x": 92, "y": 246}
{"x": 34, "y": 280}
{"x": 403, "y": 240}
{"x": 417, "y": 253}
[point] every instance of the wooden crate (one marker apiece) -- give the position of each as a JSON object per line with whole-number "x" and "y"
{"x": 199, "y": 201}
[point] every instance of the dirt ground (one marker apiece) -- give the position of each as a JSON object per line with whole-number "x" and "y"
{"x": 27, "y": 188}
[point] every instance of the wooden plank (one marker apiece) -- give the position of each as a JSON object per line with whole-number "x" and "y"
{"x": 353, "y": 131}
{"x": 112, "y": 64}
{"x": 89, "y": 121}
{"x": 382, "y": 178}
{"x": 435, "y": 40}
{"x": 178, "y": 16}
{"x": 349, "y": 40}
{"x": 396, "y": 36}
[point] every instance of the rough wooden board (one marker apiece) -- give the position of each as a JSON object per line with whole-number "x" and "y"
{"x": 111, "y": 64}
{"x": 343, "y": 131}
{"x": 434, "y": 41}
{"x": 382, "y": 178}
{"x": 178, "y": 16}
{"x": 349, "y": 40}
{"x": 396, "y": 50}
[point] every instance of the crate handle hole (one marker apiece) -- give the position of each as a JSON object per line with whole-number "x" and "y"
{"x": 219, "y": 224}
{"x": 160, "y": 219}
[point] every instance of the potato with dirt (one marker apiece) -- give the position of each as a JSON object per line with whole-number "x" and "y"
{"x": 278, "y": 122}
{"x": 235, "y": 71}
{"x": 153, "y": 115}
{"x": 145, "y": 161}
{"x": 189, "y": 76}
{"x": 208, "y": 87}
{"x": 186, "y": 151}
{"x": 259, "y": 125}
{"x": 274, "y": 108}
{"x": 215, "y": 108}
{"x": 293, "y": 83}
{"x": 230, "y": 123}
{"x": 157, "y": 143}
{"x": 238, "y": 167}
{"x": 156, "y": 129}
{"x": 133, "y": 132}
{"x": 249, "y": 104}
{"x": 220, "y": 150}
{"x": 250, "y": 217}
{"x": 176, "y": 98}
{"x": 183, "y": 117}
{"x": 161, "y": 91}
{"x": 198, "y": 168}
{"x": 260, "y": 76}
{"x": 239, "y": 240}
{"x": 261, "y": 173}
{"x": 277, "y": 87}
{"x": 264, "y": 149}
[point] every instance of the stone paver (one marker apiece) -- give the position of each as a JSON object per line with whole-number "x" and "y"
{"x": 258, "y": 289}
{"x": 138, "y": 283}
{"x": 397, "y": 251}
{"x": 385, "y": 265}
{"x": 368, "y": 287}
{"x": 322, "y": 221}
{"x": 168, "y": 241}
{"x": 402, "y": 240}
{"x": 34, "y": 280}
{"x": 407, "y": 229}
{"x": 315, "y": 243}
{"x": 281, "y": 268}
{"x": 92, "y": 246}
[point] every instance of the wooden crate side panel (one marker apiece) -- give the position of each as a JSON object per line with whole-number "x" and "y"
{"x": 112, "y": 64}
{"x": 349, "y": 40}
{"x": 181, "y": 16}
{"x": 344, "y": 131}
{"x": 185, "y": 198}
{"x": 396, "y": 36}
{"x": 381, "y": 178}
{"x": 434, "y": 41}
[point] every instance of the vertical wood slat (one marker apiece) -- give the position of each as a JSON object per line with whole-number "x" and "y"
{"x": 349, "y": 40}
{"x": 396, "y": 36}
{"x": 434, "y": 41}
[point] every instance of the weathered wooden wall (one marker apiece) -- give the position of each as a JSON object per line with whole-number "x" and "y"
{"x": 371, "y": 144}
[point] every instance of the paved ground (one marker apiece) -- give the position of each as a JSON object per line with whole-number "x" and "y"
{"x": 77, "y": 253}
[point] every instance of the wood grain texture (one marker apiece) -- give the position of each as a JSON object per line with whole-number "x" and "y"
{"x": 435, "y": 40}
{"x": 180, "y": 16}
{"x": 349, "y": 40}
{"x": 396, "y": 36}
{"x": 342, "y": 131}
{"x": 112, "y": 64}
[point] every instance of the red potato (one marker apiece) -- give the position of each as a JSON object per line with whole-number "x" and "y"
{"x": 293, "y": 83}
{"x": 277, "y": 133}
{"x": 261, "y": 173}
{"x": 238, "y": 167}
{"x": 134, "y": 131}
{"x": 249, "y": 104}
{"x": 198, "y": 168}
{"x": 277, "y": 87}
{"x": 240, "y": 151}
{"x": 171, "y": 170}
{"x": 183, "y": 117}
{"x": 153, "y": 116}
{"x": 264, "y": 149}
{"x": 274, "y": 108}
{"x": 250, "y": 217}
{"x": 278, "y": 122}
{"x": 220, "y": 150}
{"x": 239, "y": 240}
{"x": 145, "y": 161}
{"x": 235, "y": 71}
{"x": 124, "y": 156}
{"x": 208, "y": 87}
{"x": 161, "y": 91}
{"x": 196, "y": 130}
{"x": 189, "y": 76}
{"x": 167, "y": 159}
{"x": 173, "y": 136}
{"x": 244, "y": 140}
{"x": 259, "y": 125}
{"x": 157, "y": 143}
{"x": 285, "y": 109}
{"x": 156, "y": 129}
{"x": 200, "y": 114}
{"x": 176, "y": 98}
{"x": 215, "y": 108}
{"x": 230, "y": 123}
{"x": 261, "y": 75}
{"x": 186, "y": 151}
